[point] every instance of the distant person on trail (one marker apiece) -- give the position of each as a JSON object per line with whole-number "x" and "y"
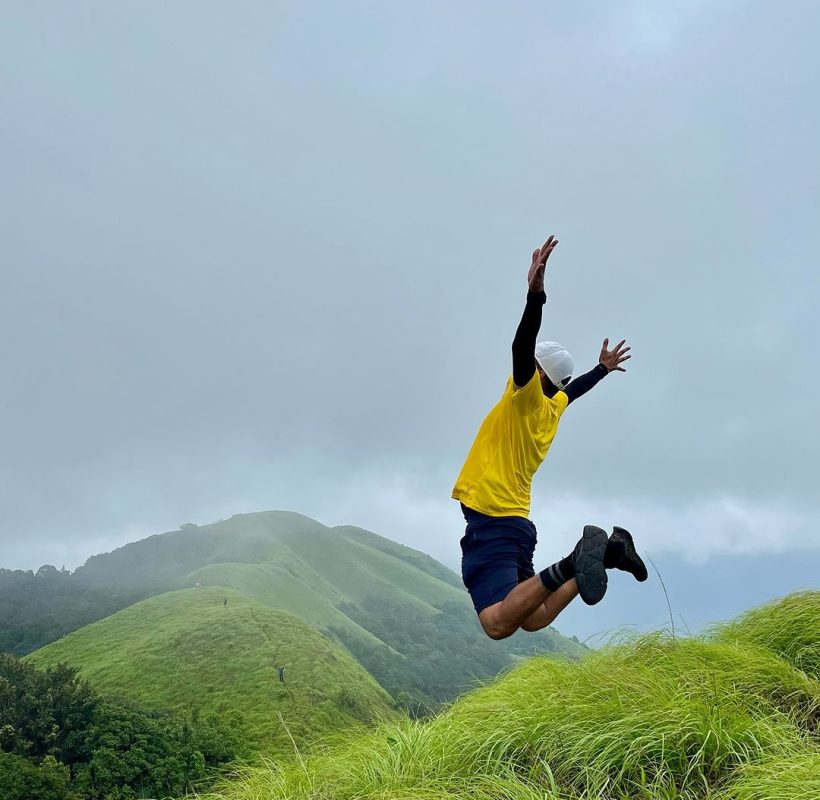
{"x": 494, "y": 486}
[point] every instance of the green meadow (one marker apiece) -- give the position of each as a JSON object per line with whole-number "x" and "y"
{"x": 190, "y": 650}
{"x": 730, "y": 715}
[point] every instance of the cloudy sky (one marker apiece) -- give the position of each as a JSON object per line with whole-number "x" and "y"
{"x": 268, "y": 255}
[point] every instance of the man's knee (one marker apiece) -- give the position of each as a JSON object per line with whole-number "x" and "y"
{"x": 497, "y": 634}
{"x": 495, "y": 629}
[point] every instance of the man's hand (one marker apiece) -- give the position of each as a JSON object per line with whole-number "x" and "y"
{"x": 612, "y": 359}
{"x": 540, "y": 255}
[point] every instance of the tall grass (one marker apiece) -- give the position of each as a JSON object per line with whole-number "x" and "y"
{"x": 788, "y": 627}
{"x": 652, "y": 718}
{"x": 793, "y": 778}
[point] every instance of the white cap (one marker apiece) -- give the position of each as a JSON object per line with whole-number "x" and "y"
{"x": 554, "y": 359}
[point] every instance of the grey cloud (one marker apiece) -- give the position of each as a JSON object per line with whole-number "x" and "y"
{"x": 254, "y": 254}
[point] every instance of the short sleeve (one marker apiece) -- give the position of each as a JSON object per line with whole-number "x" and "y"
{"x": 530, "y": 398}
{"x": 560, "y": 400}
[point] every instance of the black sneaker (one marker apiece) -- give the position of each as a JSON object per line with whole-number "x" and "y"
{"x": 624, "y": 556}
{"x": 588, "y": 558}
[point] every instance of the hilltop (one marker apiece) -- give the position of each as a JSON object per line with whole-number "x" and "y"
{"x": 216, "y": 651}
{"x": 732, "y": 715}
{"x": 401, "y": 613}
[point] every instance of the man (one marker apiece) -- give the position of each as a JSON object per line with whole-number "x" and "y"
{"x": 494, "y": 486}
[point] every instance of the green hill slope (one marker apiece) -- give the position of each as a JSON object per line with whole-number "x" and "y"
{"x": 402, "y": 614}
{"x": 187, "y": 649}
{"x": 722, "y": 717}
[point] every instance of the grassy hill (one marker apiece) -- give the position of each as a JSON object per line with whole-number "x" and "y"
{"x": 402, "y": 614}
{"x": 187, "y": 649}
{"x": 732, "y": 715}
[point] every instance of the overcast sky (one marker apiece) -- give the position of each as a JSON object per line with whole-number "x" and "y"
{"x": 272, "y": 255}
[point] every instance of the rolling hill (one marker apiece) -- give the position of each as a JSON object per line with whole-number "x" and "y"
{"x": 214, "y": 650}
{"x": 402, "y": 614}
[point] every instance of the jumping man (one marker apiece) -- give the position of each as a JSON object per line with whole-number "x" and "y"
{"x": 494, "y": 486}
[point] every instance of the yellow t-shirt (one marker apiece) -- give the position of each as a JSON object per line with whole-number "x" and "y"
{"x": 510, "y": 445}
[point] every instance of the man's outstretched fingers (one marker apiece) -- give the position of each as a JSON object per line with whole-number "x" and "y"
{"x": 612, "y": 359}
{"x": 548, "y": 247}
{"x": 622, "y": 356}
{"x": 535, "y": 278}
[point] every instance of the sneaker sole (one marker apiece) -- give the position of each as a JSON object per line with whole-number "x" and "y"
{"x": 590, "y": 573}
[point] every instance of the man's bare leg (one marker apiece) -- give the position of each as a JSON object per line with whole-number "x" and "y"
{"x": 504, "y": 618}
{"x": 546, "y": 613}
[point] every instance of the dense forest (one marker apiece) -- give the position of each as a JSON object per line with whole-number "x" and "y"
{"x": 59, "y": 739}
{"x": 39, "y": 607}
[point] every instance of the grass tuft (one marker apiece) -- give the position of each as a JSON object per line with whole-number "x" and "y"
{"x": 789, "y": 627}
{"x": 793, "y": 778}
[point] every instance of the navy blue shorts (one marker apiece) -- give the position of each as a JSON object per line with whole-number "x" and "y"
{"x": 496, "y": 555}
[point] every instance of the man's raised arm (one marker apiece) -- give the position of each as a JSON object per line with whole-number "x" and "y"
{"x": 523, "y": 346}
{"x": 608, "y": 361}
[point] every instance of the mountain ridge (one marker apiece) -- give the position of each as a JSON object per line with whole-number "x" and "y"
{"x": 402, "y": 614}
